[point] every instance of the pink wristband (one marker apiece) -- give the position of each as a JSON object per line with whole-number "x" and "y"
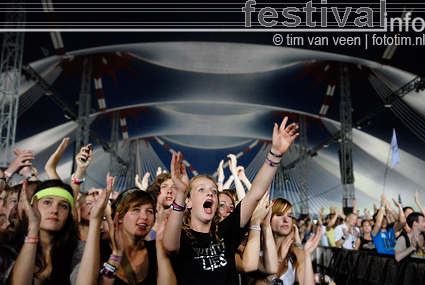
{"x": 115, "y": 258}
{"x": 271, "y": 163}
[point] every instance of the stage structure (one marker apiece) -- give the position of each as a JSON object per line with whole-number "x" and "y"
{"x": 303, "y": 166}
{"x": 346, "y": 152}
{"x": 10, "y": 76}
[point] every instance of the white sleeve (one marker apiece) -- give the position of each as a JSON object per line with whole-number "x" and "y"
{"x": 338, "y": 233}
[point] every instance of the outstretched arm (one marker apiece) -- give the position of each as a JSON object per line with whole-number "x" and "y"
{"x": 283, "y": 137}
{"x": 419, "y": 203}
{"x": 401, "y": 221}
{"x": 220, "y": 177}
{"x": 22, "y": 160}
{"x": 249, "y": 260}
{"x": 83, "y": 161}
{"x": 172, "y": 232}
{"x": 53, "y": 161}
{"x": 309, "y": 248}
{"x": 379, "y": 217}
{"x": 243, "y": 178}
{"x": 90, "y": 263}
{"x": 240, "y": 191}
{"x": 26, "y": 258}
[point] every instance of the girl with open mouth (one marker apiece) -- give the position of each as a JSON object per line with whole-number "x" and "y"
{"x": 202, "y": 247}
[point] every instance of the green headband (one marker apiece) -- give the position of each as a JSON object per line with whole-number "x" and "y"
{"x": 54, "y": 191}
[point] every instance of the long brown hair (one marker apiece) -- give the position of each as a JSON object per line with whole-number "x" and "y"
{"x": 187, "y": 214}
{"x": 281, "y": 206}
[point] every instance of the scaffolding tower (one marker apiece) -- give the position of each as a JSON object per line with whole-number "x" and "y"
{"x": 303, "y": 167}
{"x": 346, "y": 152}
{"x": 10, "y": 77}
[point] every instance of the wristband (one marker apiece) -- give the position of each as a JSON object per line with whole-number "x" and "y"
{"x": 31, "y": 240}
{"x": 76, "y": 180}
{"x": 176, "y": 207}
{"x": 231, "y": 177}
{"x": 343, "y": 238}
{"x": 319, "y": 278}
{"x": 30, "y": 176}
{"x": 330, "y": 281}
{"x": 271, "y": 163}
{"x": 383, "y": 207}
{"x": 108, "y": 271}
{"x": 275, "y": 155}
{"x": 8, "y": 174}
{"x": 115, "y": 258}
{"x": 256, "y": 228}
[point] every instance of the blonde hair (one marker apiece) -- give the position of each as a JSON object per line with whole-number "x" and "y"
{"x": 187, "y": 214}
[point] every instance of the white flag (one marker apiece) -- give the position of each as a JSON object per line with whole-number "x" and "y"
{"x": 395, "y": 158}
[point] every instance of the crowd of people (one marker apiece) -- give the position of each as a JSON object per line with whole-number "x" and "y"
{"x": 179, "y": 231}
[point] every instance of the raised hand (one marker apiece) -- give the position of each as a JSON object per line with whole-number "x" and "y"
{"x": 31, "y": 211}
{"x": 98, "y": 209}
{"x": 284, "y": 247}
{"x": 261, "y": 210}
{"x": 143, "y": 185}
{"x": 220, "y": 176}
{"x": 84, "y": 155}
{"x": 232, "y": 163}
{"x": 54, "y": 159}
{"x": 283, "y": 137}
{"x": 313, "y": 242}
{"x": 178, "y": 173}
{"x": 397, "y": 204}
{"x": 23, "y": 159}
{"x": 160, "y": 171}
{"x": 383, "y": 200}
{"x": 417, "y": 197}
{"x": 266, "y": 221}
{"x": 116, "y": 237}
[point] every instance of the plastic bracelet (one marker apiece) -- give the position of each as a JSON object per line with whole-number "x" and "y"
{"x": 8, "y": 174}
{"x": 256, "y": 228}
{"x": 108, "y": 271}
{"x": 176, "y": 207}
{"x": 275, "y": 155}
{"x": 115, "y": 258}
{"x": 330, "y": 281}
{"x": 383, "y": 207}
{"x": 76, "y": 180}
{"x": 31, "y": 240}
{"x": 271, "y": 163}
